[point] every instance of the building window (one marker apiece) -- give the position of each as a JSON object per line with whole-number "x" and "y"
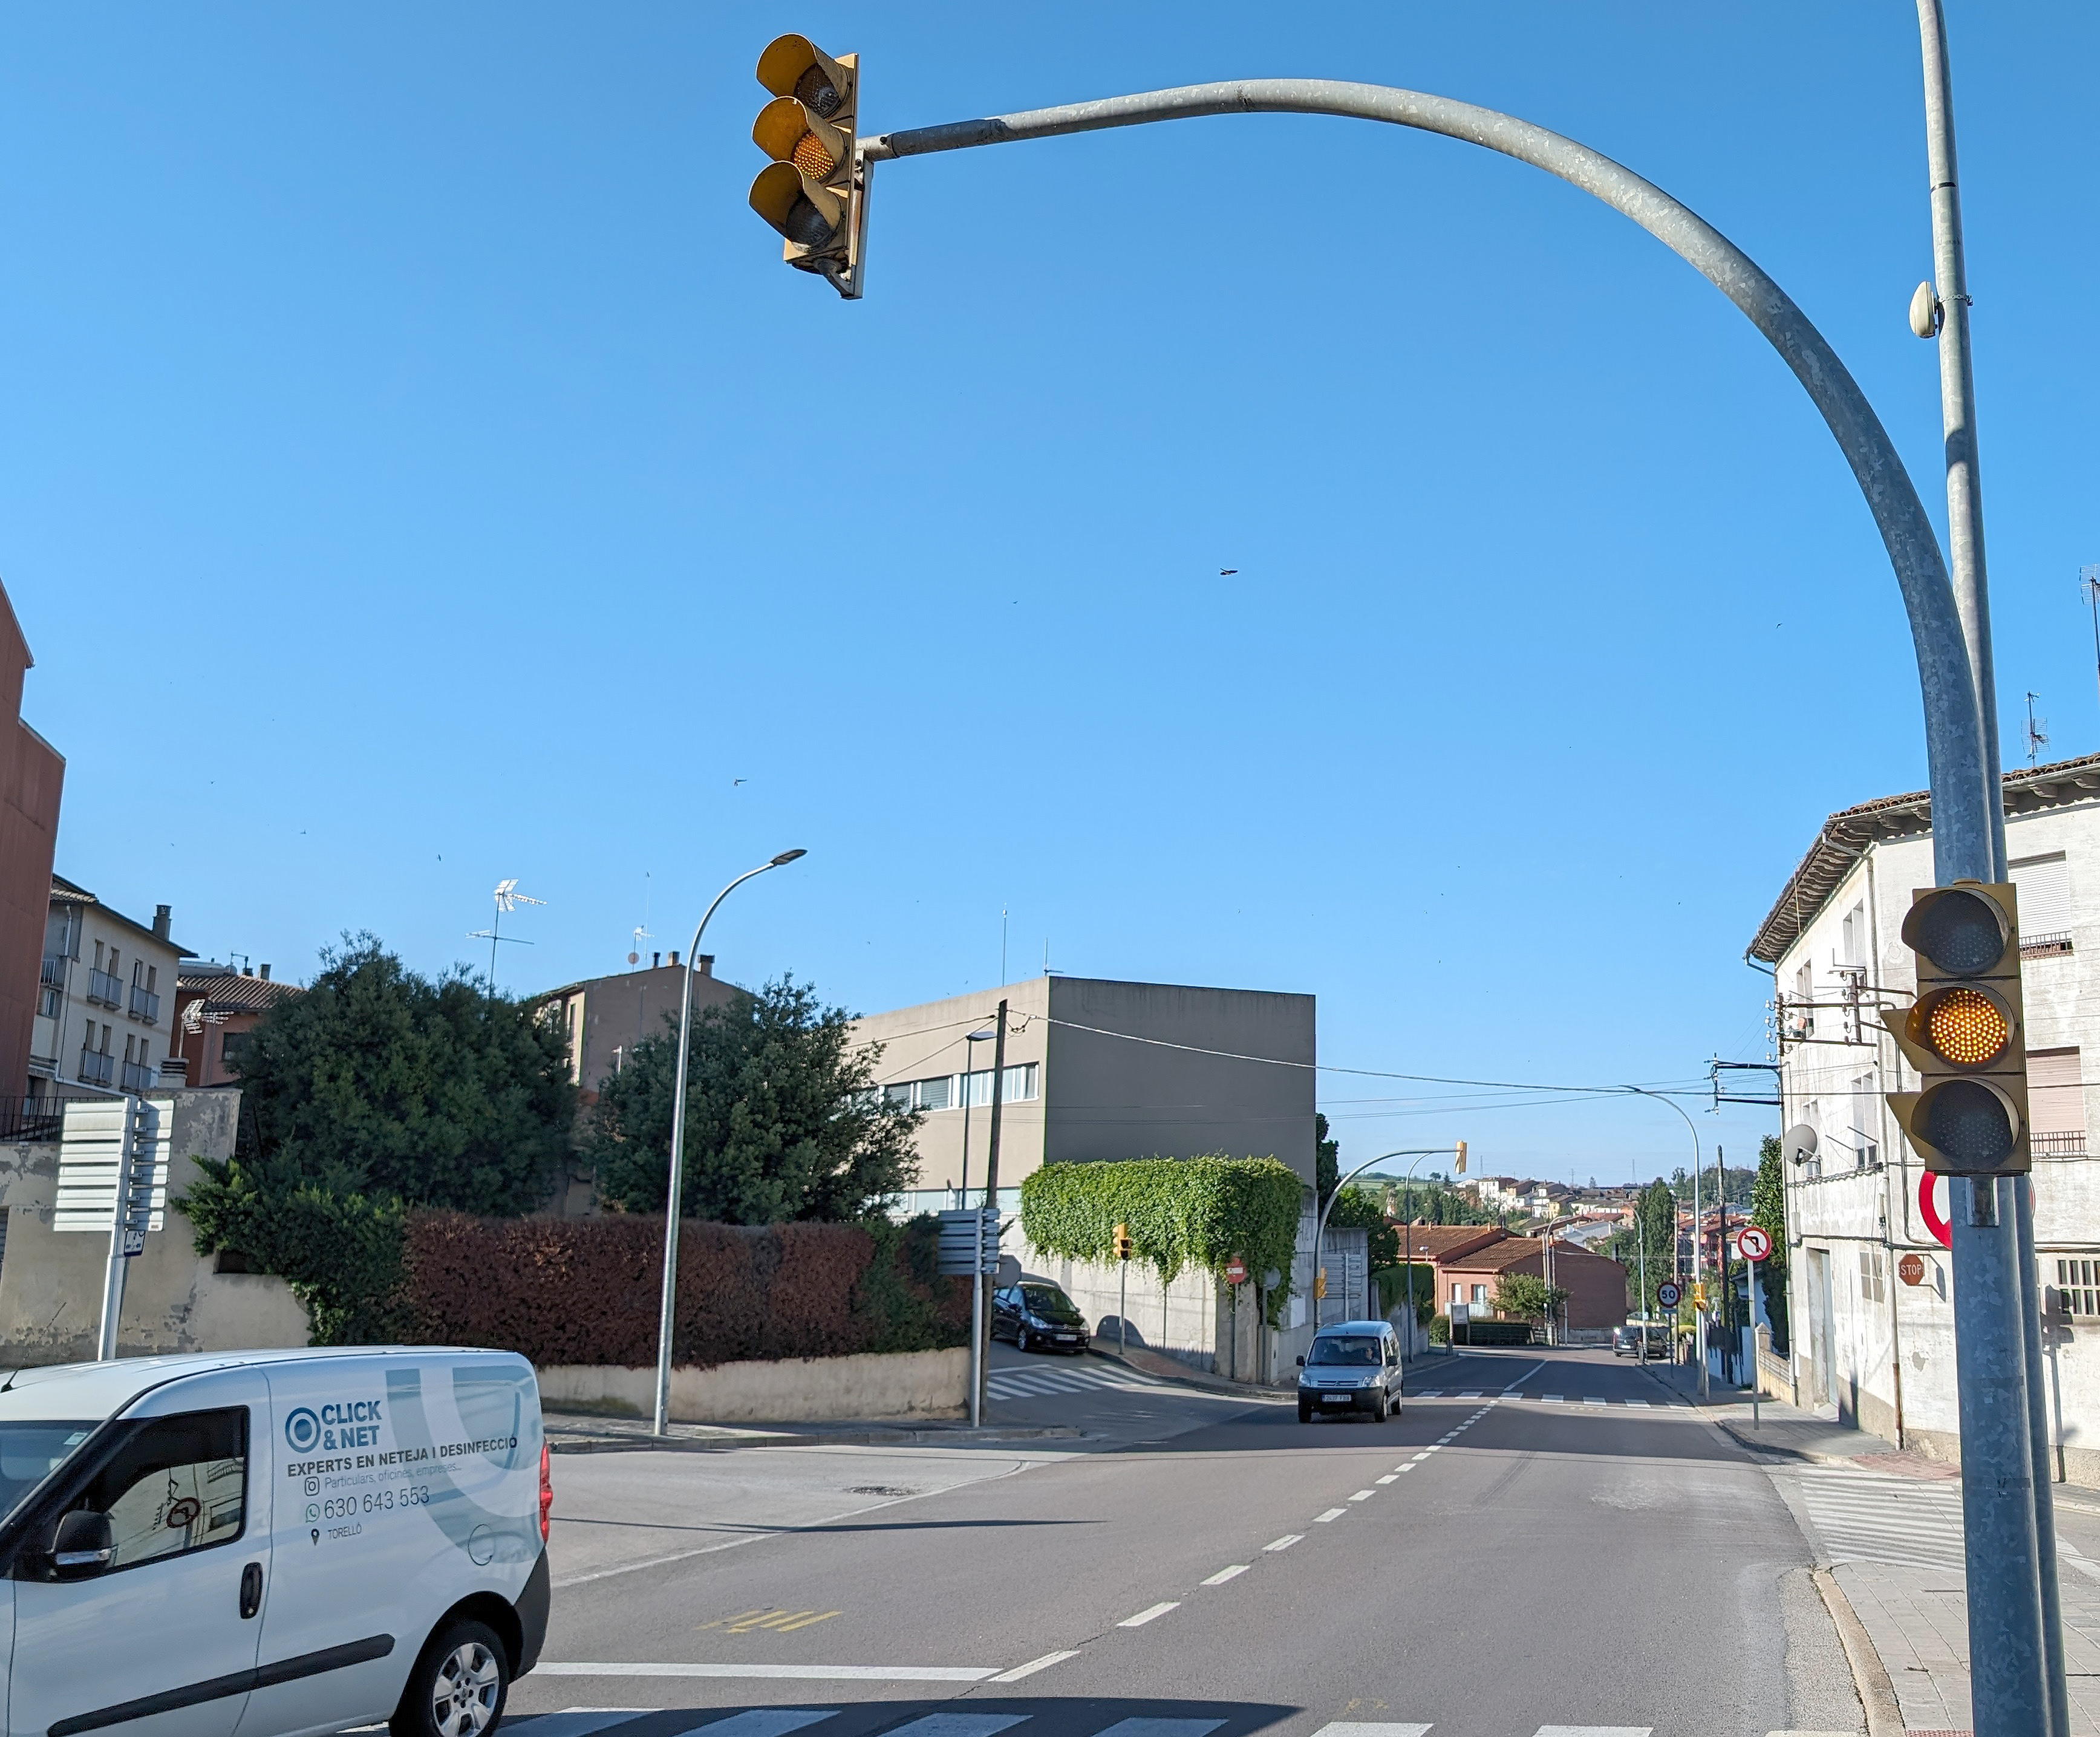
{"x": 1480, "y": 1294}
{"x": 2078, "y": 1285}
{"x": 1854, "y": 934}
{"x": 1866, "y": 1103}
{"x": 230, "y": 1045}
{"x": 1873, "y": 1283}
{"x": 2056, "y": 1104}
{"x": 2044, "y": 890}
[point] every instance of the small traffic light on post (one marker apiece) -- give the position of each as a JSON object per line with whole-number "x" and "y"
{"x": 1965, "y": 1033}
{"x": 1121, "y": 1242}
{"x": 1459, "y": 1168}
{"x": 814, "y": 191}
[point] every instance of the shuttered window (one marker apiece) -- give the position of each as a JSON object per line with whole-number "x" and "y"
{"x": 2056, "y": 1101}
{"x": 2044, "y": 884}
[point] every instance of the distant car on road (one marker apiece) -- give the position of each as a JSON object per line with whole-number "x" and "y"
{"x": 1353, "y": 1366}
{"x": 1037, "y": 1316}
{"x": 1627, "y": 1340}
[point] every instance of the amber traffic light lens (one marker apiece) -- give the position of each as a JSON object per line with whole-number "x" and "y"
{"x": 1966, "y": 1028}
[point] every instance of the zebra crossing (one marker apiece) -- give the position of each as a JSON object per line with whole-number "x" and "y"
{"x": 783, "y": 1721}
{"x": 1082, "y": 1375}
{"x": 1863, "y": 1516}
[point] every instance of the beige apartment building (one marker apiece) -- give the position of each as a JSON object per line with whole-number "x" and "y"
{"x": 1097, "y": 1069}
{"x": 105, "y": 1013}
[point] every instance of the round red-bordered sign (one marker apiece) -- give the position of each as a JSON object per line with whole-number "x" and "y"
{"x": 1752, "y": 1243}
{"x": 1928, "y": 1208}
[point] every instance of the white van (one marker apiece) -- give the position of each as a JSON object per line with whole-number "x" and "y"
{"x": 271, "y": 1543}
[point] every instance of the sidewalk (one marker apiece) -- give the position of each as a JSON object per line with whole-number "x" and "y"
{"x": 584, "y": 1432}
{"x": 1915, "y": 1617}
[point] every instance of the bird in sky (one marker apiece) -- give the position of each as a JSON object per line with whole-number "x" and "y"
{"x": 734, "y": 782}
{"x": 1227, "y": 572}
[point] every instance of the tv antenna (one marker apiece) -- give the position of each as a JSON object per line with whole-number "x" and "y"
{"x": 2037, "y": 731}
{"x": 2088, "y": 582}
{"x": 508, "y": 897}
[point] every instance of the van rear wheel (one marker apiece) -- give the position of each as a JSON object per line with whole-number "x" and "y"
{"x": 459, "y": 1686}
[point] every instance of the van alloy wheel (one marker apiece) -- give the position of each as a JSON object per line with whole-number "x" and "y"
{"x": 465, "y": 1691}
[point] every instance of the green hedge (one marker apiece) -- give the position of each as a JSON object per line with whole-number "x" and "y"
{"x": 1180, "y": 1212}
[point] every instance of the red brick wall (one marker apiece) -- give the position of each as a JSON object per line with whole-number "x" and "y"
{"x": 31, "y": 776}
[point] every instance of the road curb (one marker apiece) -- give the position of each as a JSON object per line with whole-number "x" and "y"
{"x": 614, "y": 1442}
{"x": 1870, "y": 1677}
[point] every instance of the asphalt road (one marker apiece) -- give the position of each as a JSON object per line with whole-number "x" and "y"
{"x": 1588, "y": 1555}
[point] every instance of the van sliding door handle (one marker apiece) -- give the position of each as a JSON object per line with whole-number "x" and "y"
{"x": 251, "y": 1589}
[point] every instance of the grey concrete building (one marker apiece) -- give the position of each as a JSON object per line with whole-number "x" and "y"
{"x": 1100, "y": 1070}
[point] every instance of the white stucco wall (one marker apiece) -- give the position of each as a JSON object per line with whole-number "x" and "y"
{"x": 1889, "y": 1363}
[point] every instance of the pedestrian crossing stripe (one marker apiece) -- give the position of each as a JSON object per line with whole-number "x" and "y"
{"x": 1033, "y": 1384}
{"x": 1871, "y": 1517}
{"x": 782, "y": 1722}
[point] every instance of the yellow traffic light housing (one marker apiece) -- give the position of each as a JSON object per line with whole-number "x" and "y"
{"x": 1320, "y": 1285}
{"x": 1459, "y": 1168}
{"x": 1120, "y": 1243}
{"x": 1965, "y": 1033}
{"x": 814, "y": 191}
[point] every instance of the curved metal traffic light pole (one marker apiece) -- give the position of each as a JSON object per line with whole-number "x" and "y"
{"x": 1961, "y": 782}
{"x": 2006, "y": 1607}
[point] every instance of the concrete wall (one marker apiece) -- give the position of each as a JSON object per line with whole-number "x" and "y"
{"x": 1109, "y": 1098}
{"x": 50, "y": 1282}
{"x": 902, "y": 1384}
{"x": 1864, "y": 1346}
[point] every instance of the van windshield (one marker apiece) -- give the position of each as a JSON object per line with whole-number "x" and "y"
{"x": 1350, "y": 1350}
{"x": 30, "y": 1452}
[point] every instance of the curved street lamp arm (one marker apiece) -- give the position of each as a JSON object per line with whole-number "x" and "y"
{"x": 1320, "y": 1225}
{"x": 1963, "y": 777}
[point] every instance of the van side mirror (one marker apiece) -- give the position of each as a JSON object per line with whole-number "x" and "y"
{"x": 1301, "y": 1363}
{"x": 83, "y": 1546}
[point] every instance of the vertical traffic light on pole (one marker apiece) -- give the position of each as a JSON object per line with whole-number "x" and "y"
{"x": 1965, "y": 1033}
{"x": 814, "y": 191}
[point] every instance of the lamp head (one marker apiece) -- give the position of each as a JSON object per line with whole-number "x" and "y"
{"x": 785, "y": 857}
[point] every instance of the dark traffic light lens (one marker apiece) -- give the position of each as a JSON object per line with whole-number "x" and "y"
{"x": 815, "y": 92}
{"x": 1968, "y": 1123}
{"x": 1958, "y": 931}
{"x": 805, "y": 224}
{"x": 1966, "y": 1028}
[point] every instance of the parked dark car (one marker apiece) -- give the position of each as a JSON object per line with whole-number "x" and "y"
{"x": 1627, "y": 1340}
{"x": 1037, "y": 1316}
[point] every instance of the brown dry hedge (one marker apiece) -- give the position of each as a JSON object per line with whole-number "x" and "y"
{"x": 587, "y": 1290}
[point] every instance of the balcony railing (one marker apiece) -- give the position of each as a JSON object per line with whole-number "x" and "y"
{"x": 103, "y": 986}
{"x": 97, "y": 1067}
{"x": 145, "y": 1005}
{"x": 2041, "y": 946}
{"x": 2058, "y": 1145}
{"x": 138, "y": 1076}
{"x": 32, "y": 1120}
{"x": 51, "y": 974}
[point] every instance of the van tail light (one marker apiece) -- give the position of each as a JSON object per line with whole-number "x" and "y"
{"x": 546, "y": 1493}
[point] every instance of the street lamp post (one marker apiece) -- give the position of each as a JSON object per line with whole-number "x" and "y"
{"x": 677, "y": 1178}
{"x": 970, "y": 1042}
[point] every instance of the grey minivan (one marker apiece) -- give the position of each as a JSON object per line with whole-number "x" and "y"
{"x": 1353, "y": 1366}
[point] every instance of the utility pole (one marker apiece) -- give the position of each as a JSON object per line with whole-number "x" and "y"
{"x": 1640, "y": 1227}
{"x": 1721, "y": 1249}
{"x": 986, "y": 1279}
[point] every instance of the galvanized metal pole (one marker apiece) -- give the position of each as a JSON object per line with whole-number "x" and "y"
{"x": 2014, "y": 1238}
{"x": 991, "y": 1176}
{"x": 677, "y": 1181}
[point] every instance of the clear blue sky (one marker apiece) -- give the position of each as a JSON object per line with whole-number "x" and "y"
{"x": 418, "y": 469}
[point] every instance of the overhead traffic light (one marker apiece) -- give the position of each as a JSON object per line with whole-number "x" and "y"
{"x": 814, "y": 191}
{"x": 1459, "y": 1168}
{"x": 1965, "y": 1033}
{"x": 1120, "y": 1243}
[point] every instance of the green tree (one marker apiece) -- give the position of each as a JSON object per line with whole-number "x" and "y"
{"x": 1327, "y": 1158}
{"x": 377, "y": 1081}
{"x": 1768, "y": 1212}
{"x": 784, "y": 1119}
{"x": 1525, "y": 1296}
{"x": 375, "y": 1090}
{"x": 1656, "y": 1220}
{"x": 1362, "y": 1208}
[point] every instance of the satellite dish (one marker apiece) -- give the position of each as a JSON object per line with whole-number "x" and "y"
{"x": 634, "y": 958}
{"x": 1799, "y": 1144}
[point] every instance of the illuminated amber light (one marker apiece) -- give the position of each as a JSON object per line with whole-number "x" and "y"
{"x": 812, "y": 158}
{"x": 1966, "y": 1028}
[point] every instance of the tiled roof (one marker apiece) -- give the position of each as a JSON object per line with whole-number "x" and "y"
{"x": 1439, "y": 1242}
{"x": 1847, "y": 836}
{"x": 234, "y": 993}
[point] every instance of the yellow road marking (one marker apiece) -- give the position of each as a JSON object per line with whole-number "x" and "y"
{"x": 774, "y": 1621}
